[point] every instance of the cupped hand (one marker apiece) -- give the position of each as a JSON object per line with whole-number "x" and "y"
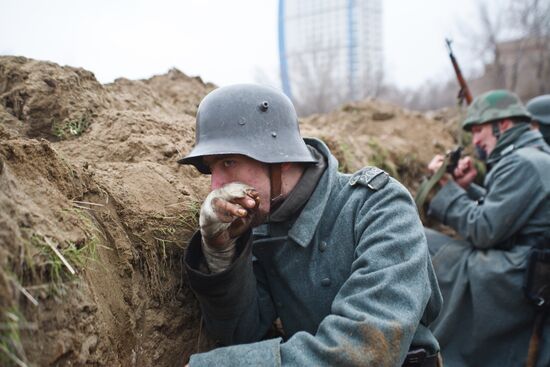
{"x": 227, "y": 213}
{"x": 465, "y": 172}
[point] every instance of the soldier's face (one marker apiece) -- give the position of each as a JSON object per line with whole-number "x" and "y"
{"x": 482, "y": 136}
{"x": 239, "y": 168}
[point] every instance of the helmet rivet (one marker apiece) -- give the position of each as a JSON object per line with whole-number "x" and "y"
{"x": 264, "y": 106}
{"x": 274, "y": 134}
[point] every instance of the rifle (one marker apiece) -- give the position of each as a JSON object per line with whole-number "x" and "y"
{"x": 452, "y": 157}
{"x": 449, "y": 164}
{"x": 464, "y": 92}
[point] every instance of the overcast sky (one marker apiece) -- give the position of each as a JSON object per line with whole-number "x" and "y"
{"x": 222, "y": 41}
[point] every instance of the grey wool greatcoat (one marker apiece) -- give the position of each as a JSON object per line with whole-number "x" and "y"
{"x": 486, "y": 320}
{"x": 349, "y": 277}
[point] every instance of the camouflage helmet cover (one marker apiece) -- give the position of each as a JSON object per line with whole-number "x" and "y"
{"x": 494, "y": 105}
{"x": 539, "y": 107}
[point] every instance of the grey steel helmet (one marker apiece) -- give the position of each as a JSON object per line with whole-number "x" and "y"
{"x": 495, "y": 105}
{"x": 252, "y": 120}
{"x": 539, "y": 107}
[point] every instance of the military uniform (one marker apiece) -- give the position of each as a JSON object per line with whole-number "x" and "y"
{"x": 486, "y": 320}
{"x": 348, "y": 275}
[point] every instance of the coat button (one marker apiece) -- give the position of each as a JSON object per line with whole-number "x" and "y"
{"x": 325, "y": 282}
{"x": 323, "y": 246}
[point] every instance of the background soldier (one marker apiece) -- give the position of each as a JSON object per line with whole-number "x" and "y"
{"x": 486, "y": 320}
{"x": 340, "y": 259}
{"x": 539, "y": 107}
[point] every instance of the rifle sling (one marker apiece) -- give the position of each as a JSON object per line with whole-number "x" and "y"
{"x": 428, "y": 185}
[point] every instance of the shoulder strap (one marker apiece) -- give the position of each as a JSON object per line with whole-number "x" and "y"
{"x": 372, "y": 177}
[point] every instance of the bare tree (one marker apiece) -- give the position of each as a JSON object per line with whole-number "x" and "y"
{"x": 320, "y": 79}
{"x": 532, "y": 19}
{"x": 317, "y": 87}
{"x": 513, "y": 40}
{"x": 491, "y": 21}
{"x": 372, "y": 82}
{"x": 431, "y": 95}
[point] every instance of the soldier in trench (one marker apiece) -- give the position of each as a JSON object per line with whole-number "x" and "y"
{"x": 341, "y": 260}
{"x": 486, "y": 319}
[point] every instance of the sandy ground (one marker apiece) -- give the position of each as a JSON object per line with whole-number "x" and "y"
{"x": 90, "y": 170}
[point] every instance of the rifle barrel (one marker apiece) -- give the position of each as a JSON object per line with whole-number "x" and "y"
{"x": 464, "y": 90}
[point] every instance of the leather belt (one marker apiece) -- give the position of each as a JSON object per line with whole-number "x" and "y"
{"x": 420, "y": 358}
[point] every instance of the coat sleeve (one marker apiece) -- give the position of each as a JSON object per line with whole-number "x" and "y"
{"x": 379, "y": 307}
{"x": 513, "y": 195}
{"x": 235, "y": 303}
{"x": 476, "y": 192}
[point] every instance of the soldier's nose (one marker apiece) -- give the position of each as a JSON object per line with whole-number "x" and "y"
{"x": 216, "y": 181}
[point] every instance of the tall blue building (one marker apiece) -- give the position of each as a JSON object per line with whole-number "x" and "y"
{"x": 330, "y": 44}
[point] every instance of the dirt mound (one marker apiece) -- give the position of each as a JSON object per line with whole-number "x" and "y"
{"x": 51, "y": 101}
{"x": 112, "y": 200}
{"x": 107, "y": 197}
{"x": 380, "y": 134}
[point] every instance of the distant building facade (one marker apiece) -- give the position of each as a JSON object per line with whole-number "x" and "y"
{"x": 335, "y": 45}
{"x": 521, "y": 65}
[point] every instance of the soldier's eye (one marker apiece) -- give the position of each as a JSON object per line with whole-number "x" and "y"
{"x": 228, "y": 163}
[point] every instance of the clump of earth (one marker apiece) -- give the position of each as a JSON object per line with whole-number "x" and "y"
{"x": 89, "y": 182}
